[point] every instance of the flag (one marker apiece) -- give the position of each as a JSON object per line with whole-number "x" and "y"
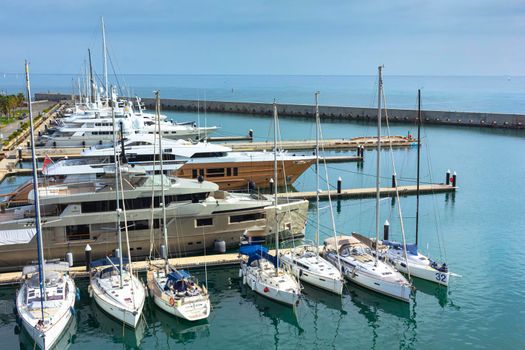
{"x": 47, "y": 161}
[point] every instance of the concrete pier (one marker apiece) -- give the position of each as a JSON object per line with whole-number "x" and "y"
{"x": 363, "y": 114}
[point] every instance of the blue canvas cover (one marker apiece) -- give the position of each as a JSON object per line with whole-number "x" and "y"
{"x": 256, "y": 252}
{"x": 177, "y": 275}
{"x": 411, "y": 248}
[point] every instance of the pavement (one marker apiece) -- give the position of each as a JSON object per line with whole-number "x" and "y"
{"x": 8, "y": 129}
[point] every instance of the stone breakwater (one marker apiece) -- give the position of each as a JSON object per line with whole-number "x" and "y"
{"x": 363, "y": 114}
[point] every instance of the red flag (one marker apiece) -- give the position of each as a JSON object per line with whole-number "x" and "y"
{"x": 47, "y": 161}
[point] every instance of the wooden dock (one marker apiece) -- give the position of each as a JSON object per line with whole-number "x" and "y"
{"x": 330, "y": 144}
{"x": 227, "y": 259}
{"x": 371, "y": 192}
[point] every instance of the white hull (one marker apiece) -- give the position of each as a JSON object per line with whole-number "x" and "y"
{"x": 424, "y": 272}
{"x": 129, "y": 314}
{"x": 269, "y": 287}
{"x": 49, "y": 338}
{"x": 188, "y": 307}
{"x": 193, "y": 308}
{"x": 328, "y": 283}
{"x": 361, "y": 277}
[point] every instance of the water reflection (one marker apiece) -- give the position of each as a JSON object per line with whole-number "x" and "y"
{"x": 117, "y": 331}
{"x": 183, "y": 332}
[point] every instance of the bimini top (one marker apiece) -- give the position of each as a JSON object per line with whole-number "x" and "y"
{"x": 177, "y": 275}
{"x": 336, "y": 244}
{"x": 411, "y": 248}
{"x": 256, "y": 252}
{"x": 57, "y": 266}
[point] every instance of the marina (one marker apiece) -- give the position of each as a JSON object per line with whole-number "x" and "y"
{"x": 160, "y": 211}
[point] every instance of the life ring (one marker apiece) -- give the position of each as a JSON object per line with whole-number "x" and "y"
{"x": 172, "y": 301}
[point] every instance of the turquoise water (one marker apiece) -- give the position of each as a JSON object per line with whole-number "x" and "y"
{"x": 478, "y": 230}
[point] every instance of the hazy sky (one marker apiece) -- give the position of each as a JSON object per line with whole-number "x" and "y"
{"x": 410, "y": 37}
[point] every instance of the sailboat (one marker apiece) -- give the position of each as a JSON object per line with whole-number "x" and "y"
{"x": 304, "y": 260}
{"x": 175, "y": 291}
{"x": 400, "y": 255}
{"x": 358, "y": 263}
{"x": 261, "y": 270}
{"x": 46, "y": 299}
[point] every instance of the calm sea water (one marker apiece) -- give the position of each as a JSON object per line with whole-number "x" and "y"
{"x": 478, "y": 230}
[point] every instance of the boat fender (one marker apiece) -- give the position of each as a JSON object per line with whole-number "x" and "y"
{"x": 78, "y": 294}
{"x": 172, "y": 301}
{"x": 17, "y": 330}
{"x": 72, "y": 310}
{"x": 243, "y": 279}
{"x": 240, "y": 273}
{"x": 266, "y": 289}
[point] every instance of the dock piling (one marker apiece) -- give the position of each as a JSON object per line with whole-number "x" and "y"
{"x": 87, "y": 253}
{"x": 447, "y": 180}
{"x": 386, "y": 229}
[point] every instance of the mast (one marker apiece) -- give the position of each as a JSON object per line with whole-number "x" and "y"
{"x": 40, "y": 243}
{"x": 378, "y": 171}
{"x": 92, "y": 82}
{"x": 276, "y": 184}
{"x": 164, "y": 227}
{"x": 317, "y": 122}
{"x": 418, "y": 161}
{"x": 117, "y": 209}
{"x": 104, "y": 55}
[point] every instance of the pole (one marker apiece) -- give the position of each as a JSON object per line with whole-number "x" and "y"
{"x": 317, "y": 122}
{"x": 418, "y": 161}
{"x": 275, "y": 185}
{"x": 40, "y": 243}
{"x": 378, "y": 164}
{"x": 164, "y": 226}
{"x": 92, "y": 82}
{"x": 117, "y": 209}
{"x": 104, "y": 50}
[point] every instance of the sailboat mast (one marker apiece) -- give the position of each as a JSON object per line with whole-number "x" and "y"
{"x": 276, "y": 184}
{"x": 91, "y": 81}
{"x": 117, "y": 197}
{"x": 104, "y": 55}
{"x": 378, "y": 164}
{"x": 40, "y": 243}
{"x": 317, "y": 124}
{"x": 418, "y": 161}
{"x": 163, "y": 199}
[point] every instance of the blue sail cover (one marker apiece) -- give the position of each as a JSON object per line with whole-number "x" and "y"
{"x": 177, "y": 275}
{"x": 256, "y": 252}
{"x": 411, "y": 248}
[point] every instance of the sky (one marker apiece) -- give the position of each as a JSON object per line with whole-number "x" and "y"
{"x": 330, "y": 37}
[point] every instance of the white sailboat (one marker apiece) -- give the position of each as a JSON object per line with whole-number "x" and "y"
{"x": 174, "y": 291}
{"x": 116, "y": 289}
{"x": 406, "y": 257}
{"x": 46, "y": 299}
{"x": 304, "y": 260}
{"x": 260, "y": 270}
{"x": 358, "y": 263}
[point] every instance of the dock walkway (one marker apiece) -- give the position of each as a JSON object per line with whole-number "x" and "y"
{"x": 371, "y": 192}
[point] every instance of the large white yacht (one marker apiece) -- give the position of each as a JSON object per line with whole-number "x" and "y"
{"x": 213, "y": 162}
{"x": 75, "y": 214}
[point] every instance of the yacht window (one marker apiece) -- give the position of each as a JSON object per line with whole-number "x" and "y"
{"x": 228, "y": 171}
{"x": 77, "y": 232}
{"x": 246, "y": 217}
{"x": 203, "y": 222}
{"x": 215, "y": 172}
{"x": 194, "y": 173}
{"x": 235, "y": 171}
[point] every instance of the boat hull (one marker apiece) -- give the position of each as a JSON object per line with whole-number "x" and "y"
{"x": 324, "y": 282}
{"x": 53, "y": 334}
{"x": 424, "y": 272}
{"x": 268, "y": 290}
{"x": 130, "y": 317}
